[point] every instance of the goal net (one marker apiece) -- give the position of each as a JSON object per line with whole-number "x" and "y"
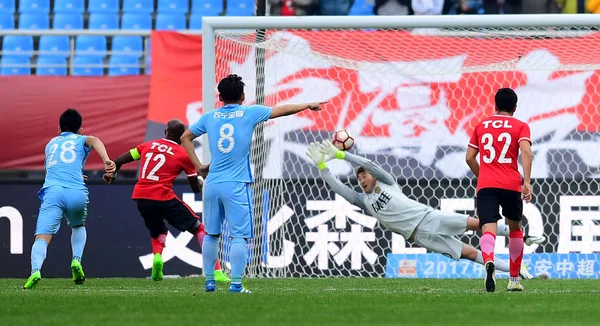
{"x": 411, "y": 98}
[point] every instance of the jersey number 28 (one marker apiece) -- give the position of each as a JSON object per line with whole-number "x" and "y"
{"x": 67, "y": 153}
{"x": 160, "y": 159}
{"x": 488, "y": 145}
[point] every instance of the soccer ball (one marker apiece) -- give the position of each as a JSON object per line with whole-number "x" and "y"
{"x": 343, "y": 140}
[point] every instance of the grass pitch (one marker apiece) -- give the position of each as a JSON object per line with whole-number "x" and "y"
{"x": 350, "y": 301}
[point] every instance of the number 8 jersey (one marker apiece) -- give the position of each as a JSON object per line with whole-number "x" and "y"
{"x": 162, "y": 160}
{"x": 497, "y": 138}
{"x": 65, "y": 157}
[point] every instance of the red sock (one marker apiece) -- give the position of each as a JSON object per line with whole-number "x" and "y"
{"x": 200, "y": 233}
{"x": 487, "y": 243}
{"x": 217, "y": 266}
{"x": 515, "y": 248}
{"x": 158, "y": 244}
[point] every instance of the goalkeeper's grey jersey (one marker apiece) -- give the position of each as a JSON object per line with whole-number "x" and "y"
{"x": 386, "y": 202}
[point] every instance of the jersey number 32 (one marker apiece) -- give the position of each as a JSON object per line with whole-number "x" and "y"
{"x": 488, "y": 145}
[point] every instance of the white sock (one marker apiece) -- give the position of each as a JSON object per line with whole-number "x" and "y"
{"x": 501, "y": 265}
{"x": 503, "y": 230}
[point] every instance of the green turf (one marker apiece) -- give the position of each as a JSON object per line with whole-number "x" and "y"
{"x": 342, "y": 301}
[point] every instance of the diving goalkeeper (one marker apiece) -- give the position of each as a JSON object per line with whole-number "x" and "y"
{"x": 384, "y": 200}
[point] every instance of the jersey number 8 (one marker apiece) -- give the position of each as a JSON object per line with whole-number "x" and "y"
{"x": 226, "y": 133}
{"x": 488, "y": 145}
{"x": 67, "y": 153}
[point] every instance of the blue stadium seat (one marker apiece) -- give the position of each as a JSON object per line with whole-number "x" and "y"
{"x": 7, "y": 20}
{"x": 87, "y": 66}
{"x": 18, "y": 45}
{"x": 69, "y": 6}
{"x": 123, "y": 66}
{"x": 103, "y": 6}
{"x": 361, "y": 8}
{"x": 34, "y": 21}
{"x": 173, "y": 6}
{"x": 51, "y": 66}
{"x": 7, "y": 6}
{"x": 140, "y": 6}
{"x": 131, "y": 46}
{"x": 240, "y": 8}
{"x": 34, "y": 6}
{"x": 199, "y": 6}
{"x": 68, "y": 21}
{"x": 136, "y": 21}
{"x": 148, "y": 65}
{"x": 196, "y": 18}
{"x": 90, "y": 46}
{"x": 21, "y": 66}
{"x": 104, "y": 21}
{"x": 170, "y": 22}
{"x": 54, "y": 46}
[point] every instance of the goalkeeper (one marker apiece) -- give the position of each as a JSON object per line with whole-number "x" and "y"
{"x": 384, "y": 200}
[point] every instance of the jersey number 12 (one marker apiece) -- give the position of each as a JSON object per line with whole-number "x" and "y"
{"x": 160, "y": 158}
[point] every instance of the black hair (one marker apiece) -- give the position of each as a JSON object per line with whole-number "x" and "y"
{"x": 360, "y": 170}
{"x": 231, "y": 88}
{"x": 70, "y": 121}
{"x": 506, "y": 100}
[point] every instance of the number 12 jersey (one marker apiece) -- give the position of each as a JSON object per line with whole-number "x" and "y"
{"x": 162, "y": 160}
{"x": 497, "y": 139}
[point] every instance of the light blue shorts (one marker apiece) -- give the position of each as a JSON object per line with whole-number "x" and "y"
{"x": 58, "y": 202}
{"x": 230, "y": 201}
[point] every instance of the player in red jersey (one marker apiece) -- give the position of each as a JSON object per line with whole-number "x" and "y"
{"x": 498, "y": 138}
{"x": 162, "y": 161}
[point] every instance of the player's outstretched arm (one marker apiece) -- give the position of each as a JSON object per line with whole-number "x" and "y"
{"x": 327, "y": 148}
{"x": 334, "y": 183}
{"x": 128, "y": 157}
{"x": 97, "y": 145}
{"x": 187, "y": 141}
{"x": 289, "y": 109}
{"x": 471, "y": 159}
{"x": 526, "y": 161}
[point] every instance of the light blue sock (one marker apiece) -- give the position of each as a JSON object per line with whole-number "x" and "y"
{"x": 210, "y": 251}
{"x": 78, "y": 239}
{"x": 239, "y": 256}
{"x": 38, "y": 254}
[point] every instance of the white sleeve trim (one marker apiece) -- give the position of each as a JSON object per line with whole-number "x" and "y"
{"x": 474, "y": 146}
{"x": 525, "y": 138}
{"x": 192, "y": 175}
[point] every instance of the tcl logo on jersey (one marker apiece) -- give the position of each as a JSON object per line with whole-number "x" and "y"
{"x": 162, "y": 148}
{"x": 497, "y": 124}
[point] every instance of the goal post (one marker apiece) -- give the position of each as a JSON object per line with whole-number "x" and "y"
{"x": 410, "y": 89}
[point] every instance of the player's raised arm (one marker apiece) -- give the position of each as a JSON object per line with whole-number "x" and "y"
{"x": 97, "y": 145}
{"x": 328, "y": 149}
{"x": 289, "y": 109}
{"x": 336, "y": 185}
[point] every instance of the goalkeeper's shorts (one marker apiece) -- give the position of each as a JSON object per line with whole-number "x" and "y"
{"x": 438, "y": 232}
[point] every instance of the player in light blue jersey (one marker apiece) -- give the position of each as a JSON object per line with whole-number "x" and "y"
{"x": 64, "y": 193}
{"x": 227, "y": 186}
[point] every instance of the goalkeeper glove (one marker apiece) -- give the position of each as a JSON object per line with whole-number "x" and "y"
{"x": 330, "y": 151}
{"x": 316, "y": 156}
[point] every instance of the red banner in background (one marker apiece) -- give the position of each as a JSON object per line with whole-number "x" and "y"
{"x": 114, "y": 109}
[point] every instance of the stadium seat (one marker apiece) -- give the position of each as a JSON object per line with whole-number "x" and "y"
{"x": 148, "y": 65}
{"x": 170, "y": 22}
{"x": 123, "y": 65}
{"x": 34, "y": 21}
{"x": 68, "y": 21}
{"x": 104, "y": 21}
{"x": 103, "y": 6}
{"x": 129, "y": 46}
{"x": 136, "y": 21}
{"x": 8, "y": 70}
{"x": 18, "y": 45}
{"x": 173, "y": 6}
{"x": 139, "y": 6}
{"x": 90, "y": 46}
{"x": 7, "y": 6}
{"x": 54, "y": 46}
{"x": 240, "y": 8}
{"x": 34, "y": 6}
{"x": 200, "y": 6}
{"x": 7, "y": 20}
{"x": 196, "y": 18}
{"x": 87, "y": 66}
{"x": 51, "y": 66}
{"x": 69, "y": 6}
{"x": 361, "y": 8}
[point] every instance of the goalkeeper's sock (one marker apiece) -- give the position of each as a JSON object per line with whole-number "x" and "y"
{"x": 158, "y": 244}
{"x": 515, "y": 248}
{"x": 503, "y": 230}
{"x": 501, "y": 265}
{"x": 38, "y": 255}
{"x": 78, "y": 240}
{"x": 210, "y": 251}
{"x": 487, "y": 243}
{"x": 238, "y": 254}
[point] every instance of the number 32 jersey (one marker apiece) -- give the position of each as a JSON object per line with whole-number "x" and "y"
{"x": 497, "y": 138}
{"x": 162, "y": 160}
{"x": 230, "y": 130}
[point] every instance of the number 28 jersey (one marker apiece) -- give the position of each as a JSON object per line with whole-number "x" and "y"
{"x": 497, "y": 138}
{"x": 161, "y": 161}
{"x": 65, "y": 157}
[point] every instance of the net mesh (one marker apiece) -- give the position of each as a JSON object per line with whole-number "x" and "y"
{"x": 411, "y": 99}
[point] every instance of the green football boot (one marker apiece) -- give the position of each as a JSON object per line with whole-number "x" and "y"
{"x": 220, "y": 276}
{"x": 157, "y": 268}
{"x": 77, "y": 271}
{"x": 33, "y": 280}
